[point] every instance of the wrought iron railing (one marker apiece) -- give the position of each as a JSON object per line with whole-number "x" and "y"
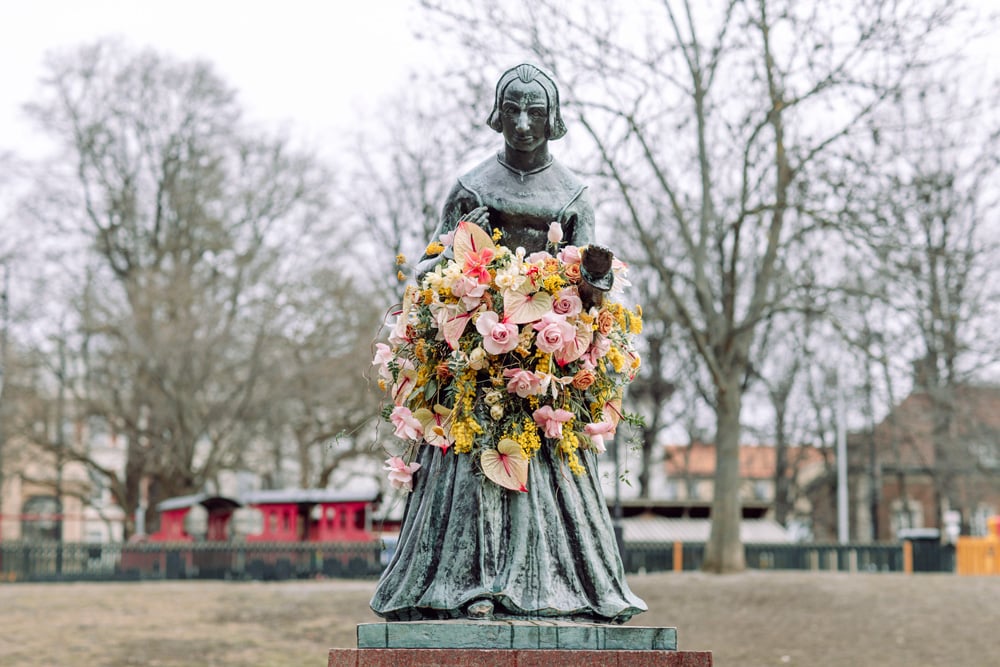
{"x": 658, "y": 557}
{"x": 55, "y": 561}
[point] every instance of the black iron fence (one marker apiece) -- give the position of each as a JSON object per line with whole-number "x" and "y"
{"x": 54, "y": 561}
{"x": 927, "y": 557}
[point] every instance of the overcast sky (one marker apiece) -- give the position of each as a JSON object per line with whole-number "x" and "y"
{"x": 315, "y": 65}
{"x": 311, "y": 63}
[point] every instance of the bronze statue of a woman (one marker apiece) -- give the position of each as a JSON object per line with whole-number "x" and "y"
{"x": 467, "y": 547}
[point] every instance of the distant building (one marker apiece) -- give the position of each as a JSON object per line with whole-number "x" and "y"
{"x": 900, "y": 479}
{"x": 690, "y": 471}
{"x": 45, "y": 497}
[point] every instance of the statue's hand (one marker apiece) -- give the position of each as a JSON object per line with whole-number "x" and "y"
{"x": 478, "y": 216}
{"x": 597, "y": 261}
{"x": 597, "y": 276}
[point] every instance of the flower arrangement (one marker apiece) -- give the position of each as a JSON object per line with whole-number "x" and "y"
{"x": 493, "y": 355}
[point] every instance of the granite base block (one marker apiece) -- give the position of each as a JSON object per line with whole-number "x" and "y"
{"x": 428, "y": 657}
{"x": 500, "y": 634}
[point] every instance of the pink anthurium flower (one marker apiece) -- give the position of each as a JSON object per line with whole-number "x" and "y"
{"x": 436, "y": 426}
{"x": 551, "y": 420}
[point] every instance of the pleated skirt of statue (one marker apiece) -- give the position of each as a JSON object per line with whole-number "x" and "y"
{"x": 549, "y": 552}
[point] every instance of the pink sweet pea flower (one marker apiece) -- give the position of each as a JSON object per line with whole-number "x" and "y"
{"x": 407, "y": 426}
{"x": 499, "y": 337}
{"x": 599, "y": 348}
{"x": 598, "y": 432}
{"x": 383, "y": 355}
{"x": 400, "y": 474}
{"x": 447, "y": 239}
{"x": 523, "y": 383}
{"x": 554, "y": 332}
{"x": 551, "y": 420}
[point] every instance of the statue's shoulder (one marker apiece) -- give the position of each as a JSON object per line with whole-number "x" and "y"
{"x": 489, "y": 176}
{"x": 487, "y": 172}
{"x": 566, "y": 176}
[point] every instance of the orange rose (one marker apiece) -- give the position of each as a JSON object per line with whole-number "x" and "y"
{"x": 583, "y": 379}
{"x": 572, "y": 272}
{"x": 443, "y": 372}
{"x": 605, "y": 322}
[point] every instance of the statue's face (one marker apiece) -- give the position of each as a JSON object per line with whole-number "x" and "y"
{"x": 524, "y": 114}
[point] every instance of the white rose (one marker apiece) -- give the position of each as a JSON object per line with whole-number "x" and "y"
{"x": 478, "y": 359}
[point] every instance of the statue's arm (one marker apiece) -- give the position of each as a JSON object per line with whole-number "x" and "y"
{"x": 459, "y": 202}
{"x": 579, "y": 228}
{"x": 578, "y": 221}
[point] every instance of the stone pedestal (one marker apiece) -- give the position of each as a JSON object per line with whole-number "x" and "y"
{"x": 515, "y": 644}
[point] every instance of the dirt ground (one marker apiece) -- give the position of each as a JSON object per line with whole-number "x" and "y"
{"x": 747, "y": 620}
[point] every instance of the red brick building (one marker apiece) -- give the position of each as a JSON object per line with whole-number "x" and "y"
{"x": 933, "y": 454}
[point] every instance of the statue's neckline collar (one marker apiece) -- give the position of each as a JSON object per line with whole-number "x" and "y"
{"x": 522, "y": 173}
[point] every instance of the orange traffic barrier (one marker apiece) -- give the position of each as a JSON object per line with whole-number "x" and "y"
{"x": 678, "y": 556}
{"x": 907, "y": 557}
{"x": 978, "y": 555}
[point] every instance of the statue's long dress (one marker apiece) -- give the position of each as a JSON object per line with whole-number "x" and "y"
{"x": 549, "y": 552}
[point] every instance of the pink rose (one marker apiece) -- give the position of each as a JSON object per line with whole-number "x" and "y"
{"x": 567, "y": 302}
{"x": 538, "y": 257}
{"x": 499, "y": 337}
{"x": 570, "y": 255}
{"x": 554, "y": 332}
{"x": 523, "y": 383}
{"x": 555, "y": 234}
{"x": 469, "y": 290}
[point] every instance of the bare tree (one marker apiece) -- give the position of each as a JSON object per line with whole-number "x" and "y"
{"x": 318, "y": 400}
{"x": 930, "y": 233}
{"x": 709, "y": 124}
{"x": 186, "y": 213}
{"x": 407, "y": 162}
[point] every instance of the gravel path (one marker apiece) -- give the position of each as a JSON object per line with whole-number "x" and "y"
{"x": 747, "y": 620}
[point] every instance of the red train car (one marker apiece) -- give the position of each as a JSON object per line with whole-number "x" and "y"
{"x": 285, "y": 515}
{"x": 275, "y": 534}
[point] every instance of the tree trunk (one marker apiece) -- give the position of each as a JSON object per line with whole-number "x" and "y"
{"x": 724, "y": 551}
{"x": 782, "y": 483}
